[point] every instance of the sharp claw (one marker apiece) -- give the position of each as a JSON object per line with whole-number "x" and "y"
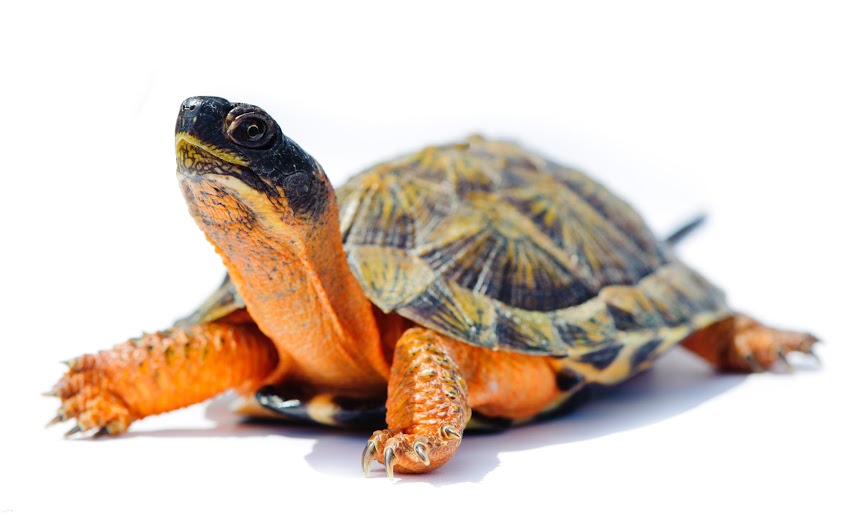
{"x": 102, "y": 431}
{"x": 56, "y": 419}
{"x": 785, "y": 362}
{"x": 389, "y": 462}
{"x": 74, "y": 430}
{"x": 421, "y": 451}
{"x": 72, "y": 364}
{"x": 51, "y": 393}
{"x": 368, "y": 456}
{"x": 450, "y": 433}
{"x": 810, "y": 352}
{"x": 753, "y": 363}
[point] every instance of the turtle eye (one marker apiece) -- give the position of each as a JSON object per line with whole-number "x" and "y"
{"x": 251, "y": 129}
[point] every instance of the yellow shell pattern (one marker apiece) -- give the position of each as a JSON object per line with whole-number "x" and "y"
{"x": 496, "y": 246}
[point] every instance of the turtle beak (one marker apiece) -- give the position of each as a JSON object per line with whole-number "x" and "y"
{"x": 200, "y": 141}
{"x": 200, "y": 115}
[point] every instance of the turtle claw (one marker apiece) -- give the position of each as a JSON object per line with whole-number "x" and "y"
{"x": 369, "y": 456}
{"x": 99, "y": 433}
{"x": 398, "y": 446}
{"x": 102, "y": 431}
{"x": 87, "y": 397}
{"x": 783, "y": 359}
{"x": 56, "y": 419}
{"x": 421, "y": 452}
{"x": 796, "y": 342}
{"x": 813, "y": 355}
{"x": 752, "y": 363}
{"x": 411, "y": 453}
{"x": 389, "y": 462}
{"x": 74, "y": 430}
{"x": 450, "y": 433}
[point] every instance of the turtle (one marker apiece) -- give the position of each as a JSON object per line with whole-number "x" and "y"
{"x": 468, "y": 285}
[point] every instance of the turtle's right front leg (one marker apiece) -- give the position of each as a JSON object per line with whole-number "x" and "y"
{"x": 427, "y": 407}
{"x": 161, "y": 372}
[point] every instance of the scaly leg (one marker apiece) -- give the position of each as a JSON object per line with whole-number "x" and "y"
{"x": 426, "y": 410}
{"x": 739, "y": 343}
{"x": 161, "y": 372}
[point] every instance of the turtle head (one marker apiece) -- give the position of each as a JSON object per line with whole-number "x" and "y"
{"x": 237, "y": 155}
{"x": 270, "y": 212}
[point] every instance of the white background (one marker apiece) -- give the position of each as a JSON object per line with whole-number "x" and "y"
{"x": 731, "y": 108}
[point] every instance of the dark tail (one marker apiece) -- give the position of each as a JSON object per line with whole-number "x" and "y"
{"x": 685, "y": 230}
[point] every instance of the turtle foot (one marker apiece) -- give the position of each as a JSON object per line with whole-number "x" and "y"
{"x": 427, "y": 407}
{"x": 742, "y": 344}
{"x": 160, "y": 372}
{"x": 411, "y": 453}
{"x": 87, "y": 396}
{"x": 759, "y": 348}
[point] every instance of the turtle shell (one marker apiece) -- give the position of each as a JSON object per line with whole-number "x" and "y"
{"x": 496, "y": 246}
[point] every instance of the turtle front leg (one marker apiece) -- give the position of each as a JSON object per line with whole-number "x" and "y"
{"x": 161, "y": 372}
{"x": 427, "y": 407}
{"x": 739, "y": 343}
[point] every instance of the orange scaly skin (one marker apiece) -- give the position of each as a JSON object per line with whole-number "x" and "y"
{"x": 437, "y": 380}
{"x": 506, "y": 384}
{"x": 427, "y": 406}
{"x": 741, "y": 344}
{"x": 161, "y": 372}
{"x": 297, "y": 285}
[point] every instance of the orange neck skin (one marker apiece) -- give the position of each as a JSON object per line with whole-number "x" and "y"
{"x": 297, "y": 284}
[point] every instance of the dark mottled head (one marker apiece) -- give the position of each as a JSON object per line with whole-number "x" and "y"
{"x": 238, "y": 150}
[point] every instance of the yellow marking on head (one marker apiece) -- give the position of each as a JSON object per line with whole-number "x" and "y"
{"x": 222, "y": 154}
{"x": 220, "y": 168}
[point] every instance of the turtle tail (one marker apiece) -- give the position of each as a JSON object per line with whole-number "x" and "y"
{"x": 686, "y": 229}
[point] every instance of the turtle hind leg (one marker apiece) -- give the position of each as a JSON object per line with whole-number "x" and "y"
{"x": 739, "y": 343}
{"x": 161, "y": 372}
{"x": 427, "y": 407}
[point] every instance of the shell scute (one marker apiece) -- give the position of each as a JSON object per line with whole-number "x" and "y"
{"x": 599, "y": 247}
{"x": 451, "y": 310}
{"x": 630, "y": 309}
{"x": 644, "y": 354}
{"x": 396, "y": 276}
{"x": 585, "y": 326}
{"x": 614, "y": 209}
{"x": 524, "y": 331}
{"x": 515, "y": 252}
{"x": 487, "y": 249}
{"x": 601, "y": 357}
{"x": 400, "y": 209}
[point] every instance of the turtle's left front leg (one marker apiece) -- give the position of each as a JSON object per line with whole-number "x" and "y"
{"x": 427, "y": 407}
